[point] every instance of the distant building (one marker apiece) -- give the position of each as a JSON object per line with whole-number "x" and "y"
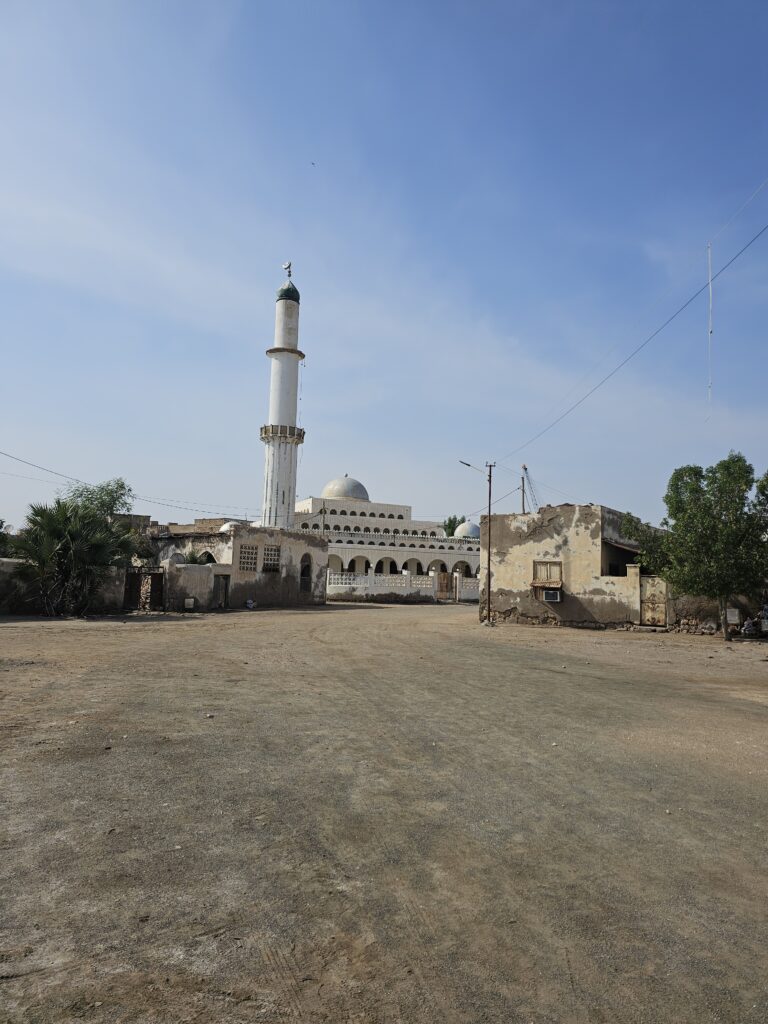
{"x": 367, "y": 535}
{"x": 567, "y": 564}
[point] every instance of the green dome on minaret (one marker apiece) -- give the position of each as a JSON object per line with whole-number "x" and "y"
{"x": 288, "y": 291}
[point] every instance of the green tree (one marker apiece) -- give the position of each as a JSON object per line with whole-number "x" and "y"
{"x": 451, "y": 523}
{"x": 714, "y": 540}
{"x": 6, "y": 540}
{"x": 111, "y": 498}
{"x": 68, "y": 550}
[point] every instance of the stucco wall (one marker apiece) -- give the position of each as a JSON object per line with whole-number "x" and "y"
{"x": 265, "y": 589}
{"x": 571, "y": 534}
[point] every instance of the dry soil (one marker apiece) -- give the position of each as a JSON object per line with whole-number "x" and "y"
{"x": 368, "y": 814}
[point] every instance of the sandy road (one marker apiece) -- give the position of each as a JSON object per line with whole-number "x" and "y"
{"x": 379, "y": 814}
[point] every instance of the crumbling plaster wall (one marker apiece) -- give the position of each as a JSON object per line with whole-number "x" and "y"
{"x": 571, "y": 534}
{"x": 265, "y": 589}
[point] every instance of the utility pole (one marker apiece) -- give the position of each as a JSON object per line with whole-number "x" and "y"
{"x": 522, "y": 489}
{"x": 490, "y": 466}
{"x": 488, "y": 620}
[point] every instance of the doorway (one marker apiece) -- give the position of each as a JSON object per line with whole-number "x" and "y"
{"x": 221, "y": 591}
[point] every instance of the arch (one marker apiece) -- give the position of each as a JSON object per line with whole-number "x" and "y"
{"x": 431, "y": 547}
{"x": 402, "y": 545}
{"x": 347, "y": 529}
{"x": 376, "y": 529}
{"x": 361, "y": 542}
{"x": 400, "y": 516}
{"x": 353, "y": 513}
{"x": 411, "y": 545}
{"x": 463, "y": 568}
{"x": 342, "y": 513}
{"x": 414, "y": 566}
{"x": 315, "y": 526}
{"x": 206, "y": 558}
{"x": 326, "y": 528}
{"x": 404, "y": 533}
{"x": 366, "y": 529}
{"x": 385, "y": 530}
{"x": 333, "y": 512}
{"x": 441, "y": 547}
{"x": 335, "y": 563}
{"x": 337, "y": 528}
{"x": 305, "y": 574}
{"x": 437, "y": 565}
{"x": 432, "y": 533}
{"x": 356, "y": 529}
{"x": 351, "y": 566}
{"x": 395, "y": 533}
{"x": 451, "y": 547}
{"x": 305, "y": 526}
{"x": 382, "y": 516}
{"x": 422, "y": 545}
{"x": 423, "y": 533}
{"x": 382, "y": 544}
{"x": 391, "y": 515}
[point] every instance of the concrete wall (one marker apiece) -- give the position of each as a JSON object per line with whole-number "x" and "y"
{"x": 572, "y": 535}
{"x": 247, "y": 578}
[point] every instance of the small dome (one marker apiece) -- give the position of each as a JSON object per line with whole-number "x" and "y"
{"x": 345, "y": 487}
{"x": 227, "y": 527}
{"x": 468, "y": 530}
{"x": 288, "y": 291}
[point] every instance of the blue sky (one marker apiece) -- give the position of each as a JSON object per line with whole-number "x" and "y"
{"x": 487, "y": 206}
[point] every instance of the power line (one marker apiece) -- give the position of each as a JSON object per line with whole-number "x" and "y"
{"x": 176, "y": 506}
{"x": 639, "y": 348}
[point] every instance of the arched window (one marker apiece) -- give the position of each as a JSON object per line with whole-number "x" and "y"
{"x": 432, "y": 533}
{"x": 390, "y": 516}
{"x": 441, "y": 547}
{"x": 305, "y": 526}
{"x": 422, "y": 545}
{"x": 353, "y": 513}
{"x": 376, "y": 529}
{"x": 315, "y": 526}
{"x": 347, "y": 530}
{"x": 405, "y": 533}
{"x": 342, "y": 513}
{"x": 395, "y": 533}
{"x": 423, "y": 533}
{"x": 333, "y": 512}
{"x": 363, "y": 513}
{"x": 366, "y": 529}
{"x": 206, "y": 558}
{"x": 385, "y": 530}
{"x": 337, "y": 528}
{"x": 402, "y": 545}
{"x": 327, "y": 528}
{"x": 382, "y": 516}
{"x": 451, "y": 547}
{"x": 400, "y": 517}
{"x": 411, "y": 545}
{"x": 431, "y": 547}
{"x": 356, "y": 530}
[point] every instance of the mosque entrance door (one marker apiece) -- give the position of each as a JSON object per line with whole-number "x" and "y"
{"x": 445, "y": 586}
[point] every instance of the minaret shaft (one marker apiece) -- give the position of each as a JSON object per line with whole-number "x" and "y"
{"x": 281, "y": 436}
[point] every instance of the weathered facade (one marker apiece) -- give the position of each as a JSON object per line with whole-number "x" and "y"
{"x": 236, "y": 564}
{"x": 567, "y": 565}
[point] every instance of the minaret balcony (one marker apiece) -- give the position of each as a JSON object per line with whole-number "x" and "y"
{"x": 280, "y": 431}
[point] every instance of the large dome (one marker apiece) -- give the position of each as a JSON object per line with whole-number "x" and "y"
{"x": 345, "y": 487}
{"x": 468, "y": 530}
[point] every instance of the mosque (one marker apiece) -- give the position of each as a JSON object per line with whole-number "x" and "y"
{"x": 364, "y": 534}
{"x": 344, "y": 514}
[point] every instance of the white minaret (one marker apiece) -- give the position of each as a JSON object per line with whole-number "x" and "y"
{"x": 281, "y": 435}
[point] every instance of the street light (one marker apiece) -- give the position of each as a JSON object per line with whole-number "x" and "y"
{"x": 490, "y": 467}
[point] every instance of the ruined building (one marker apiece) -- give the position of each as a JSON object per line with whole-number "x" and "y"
{"x": 567, "y": 564}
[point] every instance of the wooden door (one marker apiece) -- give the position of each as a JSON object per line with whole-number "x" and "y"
{"x": 653, "y": 601}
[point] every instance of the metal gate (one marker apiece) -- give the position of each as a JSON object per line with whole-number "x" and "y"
{"x": 444, "y": 586}
{"x": 653, "y": 601}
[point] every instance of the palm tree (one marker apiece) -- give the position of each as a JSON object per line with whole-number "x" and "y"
{"x": 67, "y": 552}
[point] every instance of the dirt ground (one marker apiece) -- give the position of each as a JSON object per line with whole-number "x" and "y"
{"x": 380, "y": 815}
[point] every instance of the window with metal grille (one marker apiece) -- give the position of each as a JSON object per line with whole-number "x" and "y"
{"x": 547, "y": 573}
{"x": 249, "y": 558}
{"x": 271, "y": 561}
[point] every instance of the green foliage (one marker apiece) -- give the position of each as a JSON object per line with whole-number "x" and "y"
{"x": 451, "y": 524}
{"x": 68, "y": 550}
{"x": 715, "y": 534}
{"x": 6, "y": 540}
{"x": 196, "y": 558}
{"x": 113, "y": 497}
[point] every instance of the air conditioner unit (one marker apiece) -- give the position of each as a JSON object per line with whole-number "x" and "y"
{"x": 552, "y": 596}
